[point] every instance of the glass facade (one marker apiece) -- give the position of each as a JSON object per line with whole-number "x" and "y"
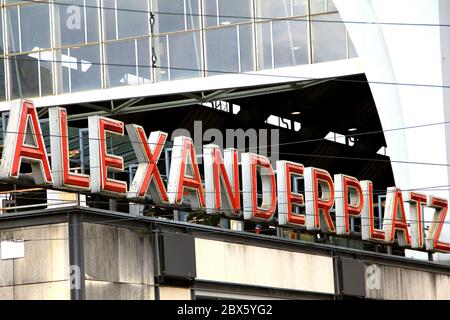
{"x": 64, "y": 46}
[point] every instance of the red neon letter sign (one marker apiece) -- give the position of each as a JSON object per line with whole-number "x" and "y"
{"x": 348, "y": 187}
{"x": 24, "y": 143}
{"x": 59, "y": 144}
{"x": 101, "y": 162}
{"x": 251, "y": 164}
{"x": 184, "y": 158}
{"x": 286, "y": 197}
{"x": 148, "y": 152}
{"x": 415, "y": 201}
{"x": 222, "y": 181}
{"x": 316, "y": 205}
{"x": 368, "y": 230}
{"x": 394, "y": 220}
{"x": 434, "y": 233}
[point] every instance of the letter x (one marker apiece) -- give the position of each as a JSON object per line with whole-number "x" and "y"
{"x": 148, "y": 153}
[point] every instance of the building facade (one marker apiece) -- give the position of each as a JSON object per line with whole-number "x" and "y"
{"x": 351, "y": 86}
{"x": 147, "y": 258}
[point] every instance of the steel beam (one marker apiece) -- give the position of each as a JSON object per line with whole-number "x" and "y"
{"x": 129, "y": 106}
{"x": 94, "y": 107}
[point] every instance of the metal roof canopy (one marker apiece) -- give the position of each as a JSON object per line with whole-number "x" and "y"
{"x": 136, "y": 105}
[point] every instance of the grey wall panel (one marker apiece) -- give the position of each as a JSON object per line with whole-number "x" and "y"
{"x": 352, "y": 277}
{"x": 6, "y": 273}
{"x": 6, "y": 293}
{"x": 100, "y": 290}
{"x": 135, "y": 257}
{"x": 443, "y": 287}
{"x": 174, "y": 293}
{"x": 46, "y": 255}
{"x": 6, "y": 266}
{"x": 115, "y": 254}
{"x": 101, "y": 252}
{"x": 258, "y": 266}
{"x": 386, "y": 282}
{"x": 178, "y": 255}
{"x": 59, "y": 290}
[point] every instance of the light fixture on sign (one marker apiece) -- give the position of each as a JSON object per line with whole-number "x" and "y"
{"x": 295, "y": 113}
{"x": 352, "y": 129}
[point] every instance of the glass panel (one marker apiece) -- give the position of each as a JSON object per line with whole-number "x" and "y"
{"x": 234, "y": 11}
{"x": 79, "y": 69}
{"x": 46, "y": 73}
{"x": 144, "y": 61}
{"x": 76, "y": 23}
{"x": 133, "y": 18}
{"x": 229, "y": 49}
{"x": 179, "y": 58}
{"x": 26, "y": 33}
{"x": 128, "y": 63}
{"x": 246, "y": 48}
{"x": 267, "y": 9}
{"x": 230, "y": 11}
{"x": 328, "y": 38}
{"x": 222, "y": 51}
{"x": 184, "y": 55}
{"x": 16, "y": 1}
{"x": 109, "y": 19}
{"x": 124, "y": 18}
{"x": 331, "y": 7}
{"x": 318, "y": 6}
{"x": 161, "y": 51}
{"x": 2, "y": 50}
{"x": 282, "y": 43}
{"x": 31, "y": 75}
{"x": 2, "y": 80}
{"x": 121, "y": 63}
{"x": 211, "y": 16}
{"x": 192, "y": 13}
{"x": 176, "y": 15}
{"x": 264, "y": 35}
{"x": 321, "y": 6}
{"x": 290, "y": 43}
{"x": 300, "y": 7}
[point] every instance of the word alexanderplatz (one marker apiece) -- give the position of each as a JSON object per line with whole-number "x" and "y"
{"x": 221, "y": 192}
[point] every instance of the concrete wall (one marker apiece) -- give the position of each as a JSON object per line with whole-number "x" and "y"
{"x": 174, "y": 293}
{"x": 118, "y": 263}
{"x": 389, "y": 282}
{"x": 44, "y": 271}
{"x": 251, "y": 265}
